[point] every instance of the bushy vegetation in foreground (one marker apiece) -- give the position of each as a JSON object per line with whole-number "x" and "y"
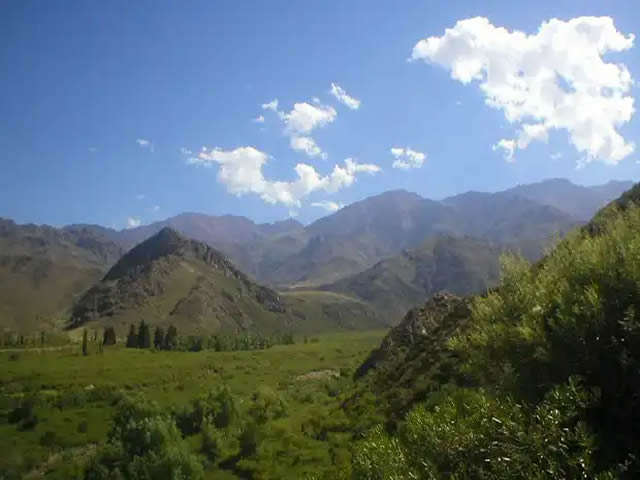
{"x": 554, "y": 353}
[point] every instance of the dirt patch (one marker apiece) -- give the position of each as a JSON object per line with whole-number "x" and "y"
{"x": 317, "y": 375}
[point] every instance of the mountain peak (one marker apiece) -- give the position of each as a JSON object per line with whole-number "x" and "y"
{"x": 164, "y": 243}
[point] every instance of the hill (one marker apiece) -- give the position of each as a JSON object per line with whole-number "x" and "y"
{"x": 460, "y": 265}
{"x": 413, "y": 360}
{"x": 44, "y": 269}
{"x": 169, "y": 279}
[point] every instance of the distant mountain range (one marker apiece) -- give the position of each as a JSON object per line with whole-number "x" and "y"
{"x": 387, "y": 252}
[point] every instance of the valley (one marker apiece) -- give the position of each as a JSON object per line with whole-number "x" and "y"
{"x": 168, "y": 358}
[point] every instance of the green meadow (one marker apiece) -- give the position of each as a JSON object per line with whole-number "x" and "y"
{"x": 290, "y": 395}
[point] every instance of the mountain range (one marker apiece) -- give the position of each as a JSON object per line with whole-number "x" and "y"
{"x": 363, "y": 265}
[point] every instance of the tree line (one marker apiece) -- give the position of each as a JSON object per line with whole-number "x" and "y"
{"x": 141, "y": 337}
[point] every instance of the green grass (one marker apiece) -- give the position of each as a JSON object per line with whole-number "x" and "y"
{"x": 314, "y": 311}
{"x": 73, "y": 385}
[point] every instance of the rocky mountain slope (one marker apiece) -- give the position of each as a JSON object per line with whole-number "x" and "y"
{"x": 169, "y": 279}
{"x": 44, "y": 269}
{"x": 460, "y": 265}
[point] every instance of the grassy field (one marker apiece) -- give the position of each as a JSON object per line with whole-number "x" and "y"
{"x": 74, "y": 400}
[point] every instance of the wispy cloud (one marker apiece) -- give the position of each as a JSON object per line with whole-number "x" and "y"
{"x": 92, "y": 149}
{"x": 343, "y": 97}
{"x": 556, "y": 156}
{"x": 272, "y": 105}
{"x": 144, "y": 143}
{"x": 406, "y": 158}
{"x": 140, "y": 196}
{"x": 258, "y": 119}
{"x": 185, "y": 151}
{"x": 155, "y": 208}
{"x": 328, "y": 205}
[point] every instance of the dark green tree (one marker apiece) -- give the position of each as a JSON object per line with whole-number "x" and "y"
{"x": 85, "y": 350}
{"x": 144, "y": 335}
{"x": 171, "y": 339}
{"x": 132, "y": 338}
{"x": 109, "y": 336}
{"x": 158, "y": 338}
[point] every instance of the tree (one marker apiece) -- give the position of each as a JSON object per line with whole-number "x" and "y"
{"x": 158, "y": 338}
{"x": 144, "y": 335}
{"x": 132, "y": 338}
{"x": 171, "y": 339}
{"x": 109, "y": 336}
{"x": 85, "y": 351}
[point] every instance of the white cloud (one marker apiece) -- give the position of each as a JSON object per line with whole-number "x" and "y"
{"x": 272, "y": 105}
{"x": 133, "y": 222}
{"x": 328, "y": 205}
{"x": 185, "y": 151}
{"x": 303, "y": 119}
{"x": 342, "y": 96}
{"x": 406, "y": 158}
{"x": 307, "y": 145}
{"x": 148, "y": 144}
{"x": 241, "y": 172}
{"x": 553, "y": 79}
{"x": 155, "y": 208}
{"x": 93, "y": 149}
{"x": 140, "y": 196}
{"x": 556, "y": 156}
{"x": 508, "y": 147}
{"x": 258, "y": 119}
{"x": 315, "y": 100}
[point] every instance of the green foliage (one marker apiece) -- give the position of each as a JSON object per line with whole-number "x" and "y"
{"x": 212, "y": 440}
{"x": 217, "y": 407}
{"x": 158, "y": 338}
{"x": 474, "y": 435}
{"x": 144, "y": 335}
{"x": 577, "y": 313}
{"x": 132, "y": 337}
{"x": 249, "y": 440}
{"x": 171, "y": 339}
{"x": 266, "y": 404}
{"x": 151, "y": 447}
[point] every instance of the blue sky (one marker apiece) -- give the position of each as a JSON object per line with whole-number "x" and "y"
{"x": 85, "y": 80}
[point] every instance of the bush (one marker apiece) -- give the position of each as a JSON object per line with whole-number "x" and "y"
{"x": 218, "y": 406}
{"x": 473, "y": 435}
{"x": 23, "y": 414}
{"x": 267, "y": 405}
{"x": 212, "y": 440}
{"x": 143, "y": 445}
